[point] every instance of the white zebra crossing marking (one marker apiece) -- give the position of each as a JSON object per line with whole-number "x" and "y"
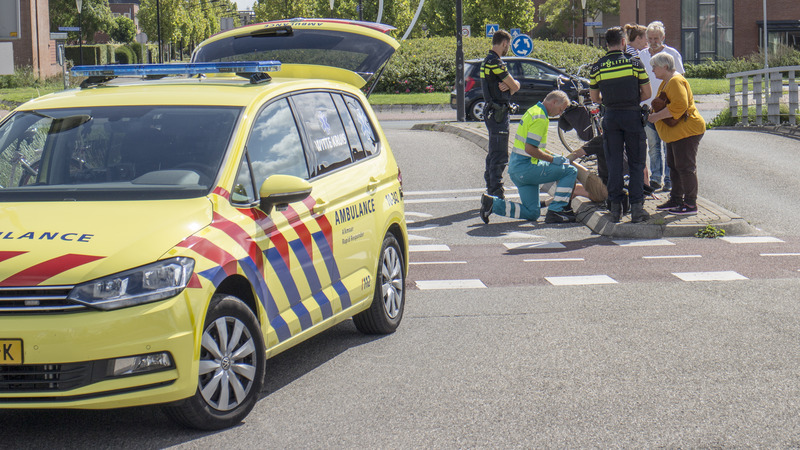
{"x": 725, "y": 275}
{"x": 553, "y": 260}
{"x": 671, "y": 256}
{"x": 779, "y": 254}
{"x": 580, "y": 280}
{"x": 450, "y": 284}
{"x": 641, "y": 242}
{"x": 533, "y": 245}
{"x": 429, "y": 248}
{"x": 751, "y": 239}
{"x": 414, "y": 237}
{"x": 435, "y": 262}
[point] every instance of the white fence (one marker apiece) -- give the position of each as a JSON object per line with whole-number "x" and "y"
{"x": 767, "y": 88}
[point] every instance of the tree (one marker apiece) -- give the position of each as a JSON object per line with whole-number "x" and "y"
{"x": 124, "y": 31}
{"x": 561, "y": 14}
{"x": 266, "y": 10}
{"x": 96, "y": 16}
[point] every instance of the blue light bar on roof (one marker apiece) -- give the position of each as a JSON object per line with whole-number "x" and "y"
{"x": 116, "y": 70}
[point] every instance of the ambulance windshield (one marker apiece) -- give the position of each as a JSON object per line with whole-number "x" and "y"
{"x": 114, "y": 153}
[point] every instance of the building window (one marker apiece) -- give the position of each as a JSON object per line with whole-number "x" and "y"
{"x": 781, "y": 32}
{"x": 706, "y": 29}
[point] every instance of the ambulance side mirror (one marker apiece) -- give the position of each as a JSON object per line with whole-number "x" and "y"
{"x": 281, "y": 190}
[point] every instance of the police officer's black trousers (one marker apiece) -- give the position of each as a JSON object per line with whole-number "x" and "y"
{"x": 621, "y": 129}
{"x": 497, "y": 157}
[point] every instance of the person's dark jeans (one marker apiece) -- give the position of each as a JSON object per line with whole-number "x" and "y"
{"x": 621, "y": 129}
{"x": 497, "y": 157}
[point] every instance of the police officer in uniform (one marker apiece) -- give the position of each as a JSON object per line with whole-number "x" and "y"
{"x": 498, "y": 87}
{"x": 620, "y": 83}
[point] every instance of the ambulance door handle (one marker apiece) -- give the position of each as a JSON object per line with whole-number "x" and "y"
{"x": 320, "y": 205}
{"x": 372, "y": 184}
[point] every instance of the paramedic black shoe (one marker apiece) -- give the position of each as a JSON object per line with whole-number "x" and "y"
{"x": 564, "y": 216}
{"x": 669, "y": 204}
{"x": 487, "y": 203}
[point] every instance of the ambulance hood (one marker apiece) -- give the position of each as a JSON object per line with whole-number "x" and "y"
{"x": 66, "y": 243}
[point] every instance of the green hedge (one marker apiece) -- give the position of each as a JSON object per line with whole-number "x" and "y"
{"x": 98, "y": 54}
{"x": 429, "y": 65}
{"x": 779, "y": 57}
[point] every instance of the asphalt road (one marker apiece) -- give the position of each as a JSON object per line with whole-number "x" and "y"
{"x": 647, "y": 359}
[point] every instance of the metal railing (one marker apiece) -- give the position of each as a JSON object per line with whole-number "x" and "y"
{"x": 768, "y": 87}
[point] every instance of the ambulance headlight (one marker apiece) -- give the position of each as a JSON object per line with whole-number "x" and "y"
{"x": 150, "y": 283}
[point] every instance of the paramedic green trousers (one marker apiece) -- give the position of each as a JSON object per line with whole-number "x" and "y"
{"x": 527, "y": 177}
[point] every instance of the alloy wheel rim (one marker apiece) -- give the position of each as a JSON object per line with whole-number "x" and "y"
{"x": 227, "y": 363}
{"x": 392, "y": 282}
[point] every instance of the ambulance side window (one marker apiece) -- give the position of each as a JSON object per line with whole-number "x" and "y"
{"x": 365, "y": 130}
{"x": 356, "y": 148}
{"x": 274, "y": 144}
{"x": 243, "y": 190}
{"x": 329, "y": 149}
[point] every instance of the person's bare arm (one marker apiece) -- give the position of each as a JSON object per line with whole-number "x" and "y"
{"x": 535, "y": 152}
{"x": 594, "y": 94}
{"x": 509, "y": 84}
{"x": 645, "y": 91}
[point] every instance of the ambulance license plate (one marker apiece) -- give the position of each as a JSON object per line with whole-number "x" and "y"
{"x": 10, "y": 351}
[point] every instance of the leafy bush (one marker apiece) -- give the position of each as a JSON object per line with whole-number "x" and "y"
{"x": 125, "y": 55}
{"x": 429, "y": 65}
{"x": 23, "y": 77}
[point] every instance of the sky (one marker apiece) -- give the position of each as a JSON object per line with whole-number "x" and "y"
{"x": 243, "y": 5}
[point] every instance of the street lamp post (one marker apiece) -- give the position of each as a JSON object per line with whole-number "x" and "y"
{"x": 79, "y": 4}
{"x": 158, "y": 24}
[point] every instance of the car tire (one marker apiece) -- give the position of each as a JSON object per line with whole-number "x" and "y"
{"x": 232, "y": 366}
{"x": 475, "y": 110}
{"x": 388, "y": 303}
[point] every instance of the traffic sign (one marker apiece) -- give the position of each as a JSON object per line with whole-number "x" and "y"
{"x": 69, "y": 28}
{"x": 57, "y": 36}
{"x": 593, "y": 24}
{"x": 515, "y": 32}
{"x": 491, "y": 28}
{"x": 466, "y": 30}
{"x": 522, "y": 45}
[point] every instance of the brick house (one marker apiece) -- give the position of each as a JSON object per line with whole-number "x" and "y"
{"x": 34, "y": 48}
{"x": 718, "y": 29}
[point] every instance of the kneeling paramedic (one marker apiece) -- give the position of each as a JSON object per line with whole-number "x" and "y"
{"x": 531, "y": 165}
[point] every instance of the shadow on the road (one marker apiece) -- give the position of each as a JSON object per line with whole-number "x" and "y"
{"x": 148, "y": 427}
{"x": 569, "y": 246}
{"x": 444, "y": 220}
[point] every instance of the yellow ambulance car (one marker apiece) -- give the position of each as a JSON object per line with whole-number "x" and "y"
{"x": 162, "y": 236}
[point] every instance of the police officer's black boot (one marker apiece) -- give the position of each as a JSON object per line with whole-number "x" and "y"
{"x": 616, "y": 211}
{"x": 638, "y": 214}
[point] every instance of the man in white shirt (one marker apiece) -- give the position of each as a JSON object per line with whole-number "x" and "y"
{"x": 655, "y": 40}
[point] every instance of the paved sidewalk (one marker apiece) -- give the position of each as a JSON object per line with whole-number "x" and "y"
{"x": 596, "y": 217}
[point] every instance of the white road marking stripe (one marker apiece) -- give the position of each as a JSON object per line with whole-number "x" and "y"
{"x": 553, "y": 259}
{"x": 410, "y": 221}
{"x": 779, "y": 254}
{"x": 533, "y": 245}
{"x": 450, "y": 284}
{"x": 671, "y": 256}
{"x": 426, "y": 227}
{"x": 453, "y": 199}
{"x": 435, "y": 262}
{"x": 447, "y": 191}
{"x": 580, "y": 280}
{"x": 429, "y": 248}
{"x": 418, "y": 214}
{"x": 519, "y": 235}
{"x": 641, "y": 242}
{"x": 414, "y": 237}
{"x": 751, "y": 239}
{"x": 710, "y": 276}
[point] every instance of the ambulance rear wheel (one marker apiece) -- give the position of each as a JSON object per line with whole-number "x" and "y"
{"x": 232, "y": 365}
{"x": 388, "y": 303}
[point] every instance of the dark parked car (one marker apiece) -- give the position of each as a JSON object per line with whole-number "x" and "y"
{"x": 536, "y": 78}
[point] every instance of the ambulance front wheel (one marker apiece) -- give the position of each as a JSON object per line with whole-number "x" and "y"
{"x": 386, "y": 311}
{"x": 232, "y": 366}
